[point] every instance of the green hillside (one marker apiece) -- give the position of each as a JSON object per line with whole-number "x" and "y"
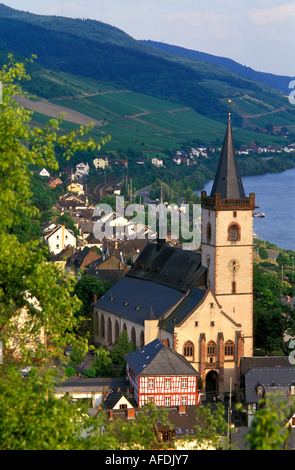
{"x": 133, "y": 120}
{"x": 145, "y": 98}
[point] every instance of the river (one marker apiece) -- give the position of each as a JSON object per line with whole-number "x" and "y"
{"x": 275, "y": 196}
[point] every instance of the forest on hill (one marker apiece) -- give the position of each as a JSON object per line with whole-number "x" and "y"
{"x": 278, "y": 82}
{"x": 101, "y": 52}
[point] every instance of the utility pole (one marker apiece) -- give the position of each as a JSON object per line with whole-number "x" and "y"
{"x": 229, "y": 416}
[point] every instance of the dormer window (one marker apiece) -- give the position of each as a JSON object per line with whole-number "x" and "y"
{"x": 259, "y": 391}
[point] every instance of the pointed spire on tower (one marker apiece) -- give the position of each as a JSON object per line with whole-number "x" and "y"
{"x": 228, "y": 182}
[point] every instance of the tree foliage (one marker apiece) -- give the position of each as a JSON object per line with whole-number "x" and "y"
{"x": 121, "y": 348}
{"x": 270, "y": 428}
{"x": 210, "y": 426}
{"x": 272, "y": 319}
{"x": 102, "y": 363}
{"x": 27, "y": 281}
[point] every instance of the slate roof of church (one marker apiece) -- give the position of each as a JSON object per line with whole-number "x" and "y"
{"x": 157, "y": 359}
{"x": 133, "y": 299}
{"x": 159, "y": 280}
{"x": 169, "y": 266}
{"x": 228, "y": 180}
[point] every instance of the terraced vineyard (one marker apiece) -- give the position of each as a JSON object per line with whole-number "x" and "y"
{"x": 132, "y": 119}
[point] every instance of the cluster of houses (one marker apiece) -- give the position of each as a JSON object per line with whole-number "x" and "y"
{"x": 180, "y": 157}
{"x": 185, "y": 158}
{"x": 156, "y": 373}
{"x": 190, "y": 157}
{"x": 109, "y": 258}
{"x": 257, "y": 149}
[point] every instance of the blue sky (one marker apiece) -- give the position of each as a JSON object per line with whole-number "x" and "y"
{"x": 256, "y": 33}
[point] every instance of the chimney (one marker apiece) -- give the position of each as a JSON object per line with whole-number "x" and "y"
{"x": 130, "y": 413}
{"x": 94, "y": 298}
{"x": 182, "y": 410}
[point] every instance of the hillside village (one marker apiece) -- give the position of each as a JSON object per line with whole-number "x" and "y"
{"x": 149, "y": 377}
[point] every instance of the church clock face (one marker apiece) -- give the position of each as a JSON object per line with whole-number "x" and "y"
{"x": 234, "y": 265}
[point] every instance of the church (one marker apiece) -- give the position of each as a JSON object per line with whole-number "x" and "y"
{"x": 200, "y": 304}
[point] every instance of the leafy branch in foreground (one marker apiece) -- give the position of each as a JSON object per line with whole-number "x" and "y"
{"x": 27, "y": 281}
{"x": 270, "y": 428}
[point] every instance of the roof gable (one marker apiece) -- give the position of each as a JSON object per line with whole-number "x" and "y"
{"x": 157, "y": 359}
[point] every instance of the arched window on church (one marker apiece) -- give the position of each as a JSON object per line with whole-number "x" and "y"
{"x": 109, "y": 331}
{"x": 229, "y": 348}
{"x": 188, "y": 350}
{"x": 233, "y": 287}
{"x": 102, "y": 326}
{"x": 133, "y": 336}
{"x": 211, "y": 348}
{"x": 234, "y": 233}
{"x": 117, "y": 331}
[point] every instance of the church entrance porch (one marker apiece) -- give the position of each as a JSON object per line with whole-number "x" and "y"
{"x": 212, "y": 385}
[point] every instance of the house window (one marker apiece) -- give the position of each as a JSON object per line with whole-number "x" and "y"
{"x": 234, "y": 233}
{"x": 184, "y": 401}
{"x": 123, "y": 406}
{"x": 167, "y": 384}
{"x": 57, "y": 247}
{"x": 167, "y": 401}
{"x": 184, "y": 383}
{"x": 229, "y": 348}
{"x": 151, "y": 383}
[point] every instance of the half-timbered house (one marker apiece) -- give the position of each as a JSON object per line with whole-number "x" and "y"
{"x": 159, "y": 375}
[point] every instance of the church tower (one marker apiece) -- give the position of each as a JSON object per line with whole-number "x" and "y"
{"x": 227, "y": 241}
